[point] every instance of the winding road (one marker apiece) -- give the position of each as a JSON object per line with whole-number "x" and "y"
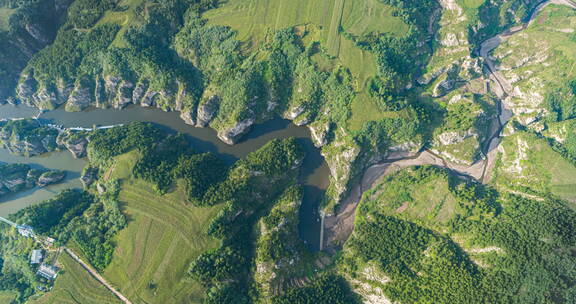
{"x": 337, "y": 228}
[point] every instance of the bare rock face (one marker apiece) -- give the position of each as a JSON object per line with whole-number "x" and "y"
{"x": 88, "y": 177}
{"x": 149, "y": 99}
{"x": 13, "y": 177}
{"x": 111, "y": 84}
{"x": 125, "y": 93}
{"x": 207, "y": 111}
{"x": 139, "y": 91}
{"x": 99, "y": 92}
{"x": 76, "y": 143}
{"x": 233, "y": 134}
{"x": 25, "y": 90}
{"x": 64, "y": 89}
{"x": 188, "y": 117}
{"x": 42, "y": 141}
{"x": 46, "y": 98}
{"x": 50, "y": 177}
{"x": 294, "y": 112}
{"x": 18, "y": 177}
{"x": 319, "y": 134}
{"x": 80, "y": 98}
{"x": 32, "y": 177}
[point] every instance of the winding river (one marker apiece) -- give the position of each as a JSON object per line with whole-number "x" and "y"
{"x": 337, "y": 228}
{"x": 314, "y": 175}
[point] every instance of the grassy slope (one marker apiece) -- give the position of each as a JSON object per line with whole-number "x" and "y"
{"x": 163, "y": 236}
{"x": 4, "y": 17}
{"x": 7, "y": 296}
{"x": 323, "y": 19}
{"x": 75, "y": 286}
{"x": 428, "y": 202}
{"x": 122, "y": 18}
{"x": 549, "y": 43}
{"x": 542, "y": 169}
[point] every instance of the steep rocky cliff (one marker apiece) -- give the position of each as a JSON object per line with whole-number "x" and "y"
{"x": 18, "y": 177}
{"x": 32, "y": 26}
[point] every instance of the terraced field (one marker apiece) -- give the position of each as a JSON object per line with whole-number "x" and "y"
{"x": 75, "y": 286}
{"x": 253, "y": 19}
{"x": 163, "y": 237}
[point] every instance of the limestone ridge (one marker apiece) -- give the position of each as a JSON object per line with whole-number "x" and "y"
{"x": 32, "y": 27}
{"x": 30, "y": 138}
{"x": 18, "y": 177}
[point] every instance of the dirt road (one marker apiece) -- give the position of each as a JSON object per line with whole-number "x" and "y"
{"x": 97, "y": 276}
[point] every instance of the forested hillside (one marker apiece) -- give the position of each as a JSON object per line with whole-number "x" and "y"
{"x": 448, "y": 126}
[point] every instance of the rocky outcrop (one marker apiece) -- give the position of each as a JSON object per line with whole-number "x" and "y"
{"x": 80, "y": 98}
{"x": 89, "y": 175}
{"x": 188, "y": 117}
{"x": 139, "y": 91}
{"x": 28, "y": 137}
{"x": 207, "y": 111}
{"x": 319, "y": 134}
{"x": 234, "y": 133}
{"x": 19, "y": 177}
{"x": 124, "y": 94}
{"x": 50, "y": 177}
{"x": 74, "y": 141}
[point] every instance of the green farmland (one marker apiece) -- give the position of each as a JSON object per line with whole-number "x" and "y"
{"x": 323, "y": 21}
{"x": 75, "y": 286}
{"x": 164, "y": 235}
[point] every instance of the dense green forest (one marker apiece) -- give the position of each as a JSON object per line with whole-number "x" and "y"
{"x": 371, "y": 79}
{"x": 455, "y": 241}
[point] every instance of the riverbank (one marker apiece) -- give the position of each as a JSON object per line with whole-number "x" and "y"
{"x": 340, "y": 226}
{"x": 314, "y": 176}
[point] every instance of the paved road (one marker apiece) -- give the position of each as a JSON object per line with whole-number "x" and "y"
{"x": 97, "y": 276}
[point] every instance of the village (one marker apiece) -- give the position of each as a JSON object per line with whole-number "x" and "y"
{"x": 44, "y": 257}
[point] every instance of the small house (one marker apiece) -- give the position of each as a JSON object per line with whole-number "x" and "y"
{"x": 25, "y": 231}
{"x": 49, "y": 241}
{"x": 49, "y": 272}
{"x": 36, "y": 257}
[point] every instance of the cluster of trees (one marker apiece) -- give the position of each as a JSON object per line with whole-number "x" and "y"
{"x": 105, "y": 144}
{"x": 252, "y": 183}
{"x": 171, "y": 159}
{"x": 200, "y": 173}
{"x": 159, "y": 159}
{"x": 561, "y": 103}
{"x": 94, "y": 230}
{"x": 29, "y": 130}
{"x": 279, "y": 241}
{"x": 73, "y": 54}
{"x": 77, "y": 215}
{"x": 497, "y": 16}
{"x": 286, "y": 75}
{"x": 18, "y": 45}
{"x": 91, "y": 222}
{"x": 83, "y": 14}
{"x": 324, "y": 289}
{"x": 52, "y": 216}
